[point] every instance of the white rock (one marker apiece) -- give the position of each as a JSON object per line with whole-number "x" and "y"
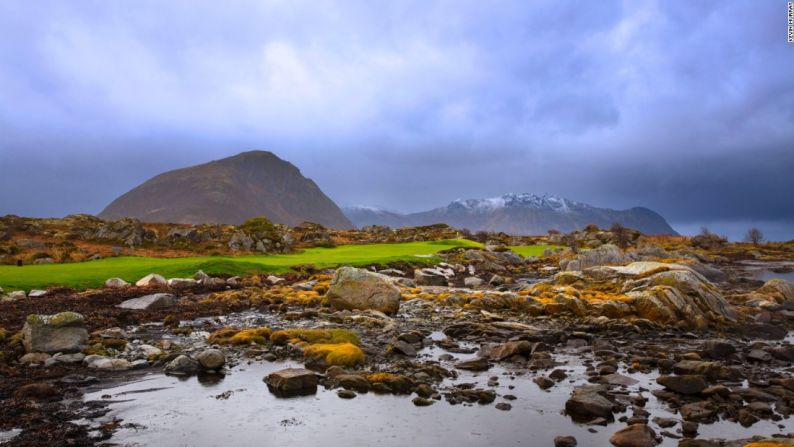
{"x": 34, "y": 358}
{"x": 91, "y": 359}
{"x": 35, "y": 293}
{"x": 137, "y": 364}
{"x": 181, "y": 282}
{"x": 17, "y": 295}
{"x": 472, "y": 282}
{"x": 275, "y": 280}
{"x": 110, "y": 364}
{"x": 152, "y": 279}
{"x": 116, "y": 283}
{"x": 234, "y": 281}
{"x": 149, "y": 350}
{"x": 69, "y": 358}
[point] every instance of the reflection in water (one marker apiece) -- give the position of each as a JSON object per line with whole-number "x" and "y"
{"x": 210, "y": 379}
{"x": 764, "y": 271}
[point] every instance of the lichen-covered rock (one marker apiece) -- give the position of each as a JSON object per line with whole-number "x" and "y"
{"x": 358, "y": 289}
{"x": 778, "y": 290}
{"x": 62, "y": 332}
{"x": 681, "y": 295}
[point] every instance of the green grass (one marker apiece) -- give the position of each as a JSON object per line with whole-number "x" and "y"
{"x": 94, "y": 273}
{"x": 532, "y": 250}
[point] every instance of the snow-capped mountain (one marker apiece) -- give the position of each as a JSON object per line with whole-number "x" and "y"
{"x": 516, "y": 214}
{"x": 524, "y": 200}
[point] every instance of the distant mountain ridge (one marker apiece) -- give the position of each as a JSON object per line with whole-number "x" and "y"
{"x": 230, "y": 191}
{"x": 523, "y": 213}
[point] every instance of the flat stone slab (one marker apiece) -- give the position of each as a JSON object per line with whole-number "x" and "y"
{"x": 149, "y": 302}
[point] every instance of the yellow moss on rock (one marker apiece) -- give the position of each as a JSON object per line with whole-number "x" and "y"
{"x": 336, "y": 354}
{"x": 326, "y": 336}
{"x": 231, "y": 336}
{"x": 383, "y": 377}
{"x": 597, "y": 296}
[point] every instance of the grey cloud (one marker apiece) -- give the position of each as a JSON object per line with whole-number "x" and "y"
{"x": 684, "y": 107}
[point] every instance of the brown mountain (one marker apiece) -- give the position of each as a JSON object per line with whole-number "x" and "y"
{"x": 230, "y": 191}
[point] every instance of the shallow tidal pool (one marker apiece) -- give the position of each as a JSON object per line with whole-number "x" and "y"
{"x": 160, "y": 410}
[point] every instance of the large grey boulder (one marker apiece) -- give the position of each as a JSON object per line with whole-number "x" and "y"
{"x": 359, "y": 289}
{"x": 149, "y": 302}
{"x": 62, "y": 332}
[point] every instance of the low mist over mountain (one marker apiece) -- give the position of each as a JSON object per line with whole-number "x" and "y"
{"x": 230, "y": 190}
{"x": 516, "y": 214}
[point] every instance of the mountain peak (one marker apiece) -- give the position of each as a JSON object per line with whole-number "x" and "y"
{"x": 230, "y": 190}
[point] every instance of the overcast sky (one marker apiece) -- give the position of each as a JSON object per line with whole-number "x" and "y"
{"x": 684, "y": 107}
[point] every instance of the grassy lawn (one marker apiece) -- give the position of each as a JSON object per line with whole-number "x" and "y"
{"x": 94, "y": 273}
{"x": 532, "y": 250}
{"x": 83, "y": 275}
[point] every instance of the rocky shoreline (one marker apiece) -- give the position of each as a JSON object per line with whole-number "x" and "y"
{"x": 646, "y": 344}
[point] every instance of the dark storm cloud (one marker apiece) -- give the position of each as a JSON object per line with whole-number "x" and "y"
{"x": 683, "y": 107}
